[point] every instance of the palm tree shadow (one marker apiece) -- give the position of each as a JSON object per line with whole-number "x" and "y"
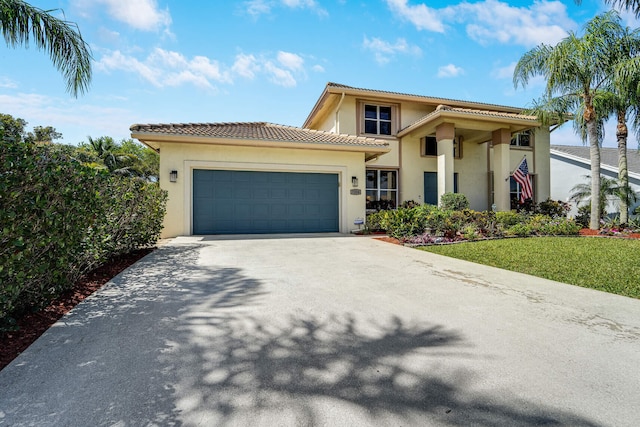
{"x": 385, "y": 369}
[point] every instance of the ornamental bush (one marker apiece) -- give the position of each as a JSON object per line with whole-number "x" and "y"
{"x": 454, "y": 202}
{"x": 60, "y": 218}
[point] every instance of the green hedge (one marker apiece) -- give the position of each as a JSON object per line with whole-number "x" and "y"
{"x": 60, "y": 218}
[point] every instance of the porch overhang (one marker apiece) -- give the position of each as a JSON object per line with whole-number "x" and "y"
{"x": 473, "y": 125}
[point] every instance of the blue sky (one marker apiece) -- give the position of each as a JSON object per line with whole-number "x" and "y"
{"x": 167, "y": 61}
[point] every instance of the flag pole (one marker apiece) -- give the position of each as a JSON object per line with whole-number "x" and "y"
{"x": 519, "y": 163}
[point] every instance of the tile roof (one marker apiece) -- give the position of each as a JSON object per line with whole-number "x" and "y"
{"x": 471, "y": 112}
{"x": 256, "y": 131}
{"x": 426, "y": 98}
{"x": 608, "y": 156}
{"x": 476, "y": 112}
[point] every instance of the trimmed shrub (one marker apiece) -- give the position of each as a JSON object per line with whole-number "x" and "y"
{"x": 454, "y": 202}
{"x": 372, "y": 221}
{"x": 403, "y": 222}
{"x": 61, "y": 218}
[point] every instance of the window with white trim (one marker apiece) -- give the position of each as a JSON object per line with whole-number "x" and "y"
{"x": 382, "y": 189}
{"x": 378, "y": 119}
{"x": 522, "y": 139}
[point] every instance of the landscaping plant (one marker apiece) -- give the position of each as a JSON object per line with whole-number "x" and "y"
{"x": 61, "y": 217}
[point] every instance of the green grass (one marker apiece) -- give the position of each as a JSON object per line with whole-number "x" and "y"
{"x": 610, "y": 265}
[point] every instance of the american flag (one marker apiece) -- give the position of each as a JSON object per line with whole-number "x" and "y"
{"x": 521, "y": 175}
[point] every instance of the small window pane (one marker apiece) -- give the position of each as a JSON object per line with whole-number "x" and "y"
{"x": 388, "y": 180}
{"x": 371, "y": 112}
{"x": 370, "y": 126}
{"x": 385, "y": 113}
{"x": 431, "y": 146}
{"x": 524, "y": 139}
{"x": 372, "y": 179}
{"x": 385, "y": 128}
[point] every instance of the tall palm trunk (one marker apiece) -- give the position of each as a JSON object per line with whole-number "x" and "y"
{"x": 594, "y": 150}
{"x": 623, "y": 173}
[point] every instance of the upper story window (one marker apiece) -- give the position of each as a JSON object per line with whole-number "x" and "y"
{"x": 522, "y": 139}
{"x": 429, "y": 146}
{"x": 378, "y": 119}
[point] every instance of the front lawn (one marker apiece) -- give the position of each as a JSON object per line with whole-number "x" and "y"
{"x": 606, "y": 264}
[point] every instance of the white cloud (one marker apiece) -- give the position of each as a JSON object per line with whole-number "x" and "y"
{"x": 74, "y": 120}
{"x": 384, "y": 51}
{"x": 279, "y": 75}
{"x": 504, "y": 72}
{"x": 245, "y": 66}
{"x": 263, "y": 7}
{"x": 493, "y": 20}
{"x": 164, "y": 68}
{"x": 318, "y": 68}
{"x": 422, "y": 16}
{"x": 7, "y": 83}
{"x": 487, "y": 21}
{"x": 139, "y": 14}
{"x": 290, "y": 61}
{"x": 450, "y": 70}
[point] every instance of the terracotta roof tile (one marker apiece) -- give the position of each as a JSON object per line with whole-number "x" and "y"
{"x": 426, "y": 98}
{"x": 256, "y": 131}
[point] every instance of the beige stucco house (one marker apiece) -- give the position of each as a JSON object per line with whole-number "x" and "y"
{"x": 358, "y": 149}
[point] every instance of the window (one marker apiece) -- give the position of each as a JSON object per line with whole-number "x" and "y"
{"x": 378, "y": 119}
{"x": 516, "y": 190}
{"x": 382, "y": 189}
{"x": 430, "y": 147}
{"x": 522, "y": 139}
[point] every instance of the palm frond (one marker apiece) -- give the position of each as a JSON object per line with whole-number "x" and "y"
{"x": 21, "y": 24}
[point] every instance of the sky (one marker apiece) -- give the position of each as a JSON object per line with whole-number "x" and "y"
{"x": 172, "y": 61}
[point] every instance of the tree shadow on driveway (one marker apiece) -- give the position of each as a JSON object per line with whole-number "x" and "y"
{"x": 172, "y": 342}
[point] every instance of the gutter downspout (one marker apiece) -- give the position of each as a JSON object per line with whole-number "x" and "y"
{"x": 337, "y": 121}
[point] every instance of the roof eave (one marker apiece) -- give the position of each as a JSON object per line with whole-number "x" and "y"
{"x": 421, "y": 99}
{"x": 444, "y": 115}
{"x": 153, "y": 140}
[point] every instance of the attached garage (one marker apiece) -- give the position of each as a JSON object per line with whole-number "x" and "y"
{"x": 258, "y": 178}
{"x": 246, "y": 202}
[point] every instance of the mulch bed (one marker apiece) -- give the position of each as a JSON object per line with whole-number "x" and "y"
{"x": 589, "y": 232}
{"x": 32, "y": 325}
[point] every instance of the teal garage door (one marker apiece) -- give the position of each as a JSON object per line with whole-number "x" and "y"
{"x": 239, "y": 202}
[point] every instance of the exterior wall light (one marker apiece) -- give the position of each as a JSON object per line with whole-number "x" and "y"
{"x": 354, "y": 181}
{"x": 173, "y": 176}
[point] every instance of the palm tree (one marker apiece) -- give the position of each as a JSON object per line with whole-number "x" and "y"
{"x": 621, "y": 98}
{"x": 115, "y": 159}
{"x": 609, "y": 188}
{"x": 21, "y": 23}
{"x": 574, "y": 69}
{"x": 633, "y": 5}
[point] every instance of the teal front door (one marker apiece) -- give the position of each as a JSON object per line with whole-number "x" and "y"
{"x": 431, "y": 187}
{"x": 249, "y": 202}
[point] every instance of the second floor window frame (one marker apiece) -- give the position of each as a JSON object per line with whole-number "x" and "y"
{"x": 383, "y": 116}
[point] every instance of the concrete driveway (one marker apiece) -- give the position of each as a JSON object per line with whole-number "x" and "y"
{"x": 329, "y": 331}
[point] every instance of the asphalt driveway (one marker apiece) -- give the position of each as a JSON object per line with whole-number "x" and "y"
{"x": 329, "y": 331}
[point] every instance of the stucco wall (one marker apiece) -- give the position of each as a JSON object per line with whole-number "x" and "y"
{"x": 186, "y": 157}
{"x": 471, "y": 169}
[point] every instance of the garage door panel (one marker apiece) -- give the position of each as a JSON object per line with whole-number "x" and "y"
{"x": 227, "y": 202}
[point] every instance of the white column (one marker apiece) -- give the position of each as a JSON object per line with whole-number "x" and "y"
{"x": 445, "y": 133}
{"x": 501, "y": 168}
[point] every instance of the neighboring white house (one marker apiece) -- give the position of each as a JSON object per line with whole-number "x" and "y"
{"x": 571, "y": 165}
